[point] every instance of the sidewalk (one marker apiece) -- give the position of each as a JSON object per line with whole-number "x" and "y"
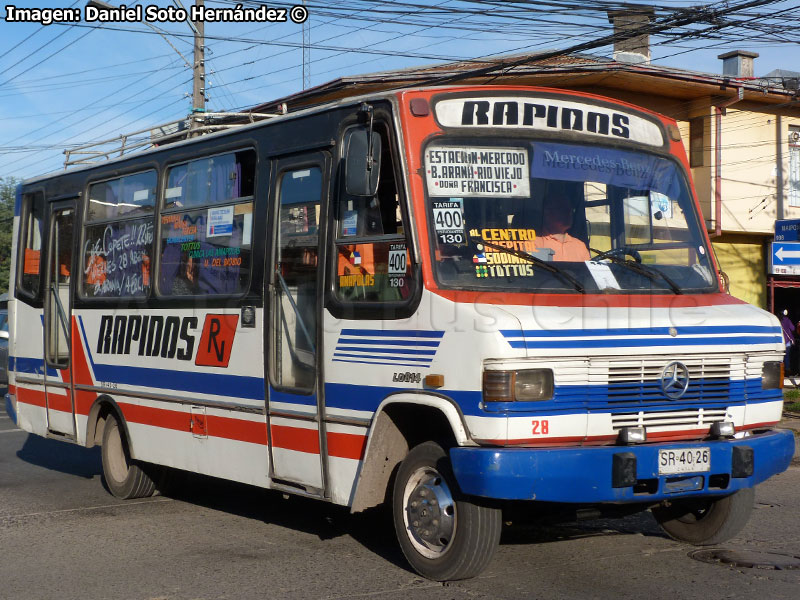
{"x": 792, "y": 421}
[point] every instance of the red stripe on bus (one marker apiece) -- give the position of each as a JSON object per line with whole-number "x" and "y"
{"x": 32, "y": 397}
{"x": 239, "y": 430}
{"x": 295, "y": 438}
{"x": 747, "y": 426}
{"x": 157, "y": 417}
{"x": 347, "y": 445}
{"x": 59, "y": 402}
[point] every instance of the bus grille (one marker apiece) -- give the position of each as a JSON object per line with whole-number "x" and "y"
{"x": 696, "y": 418}
{"x": 633, "y": 381}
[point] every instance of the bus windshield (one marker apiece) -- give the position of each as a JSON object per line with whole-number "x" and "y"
{"x": 555, "y": 217}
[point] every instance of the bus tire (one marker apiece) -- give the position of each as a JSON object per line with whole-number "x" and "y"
{"x": 444, "y": 535}
{"x": 124, "y": 477}
{"x": 706, "y": 521}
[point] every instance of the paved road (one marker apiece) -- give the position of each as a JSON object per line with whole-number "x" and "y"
{"x": 63, "y": 536}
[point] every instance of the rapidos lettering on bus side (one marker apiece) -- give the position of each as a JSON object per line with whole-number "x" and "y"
{"x": 156, "y": 336}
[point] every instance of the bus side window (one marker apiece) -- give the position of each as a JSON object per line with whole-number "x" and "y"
{"x": 207, "y": 226}
{"x": 118, "y": 237}
{"x": 31, "y": 243}
{"x": 371, "y": 256}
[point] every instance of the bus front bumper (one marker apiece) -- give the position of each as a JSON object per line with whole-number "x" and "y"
{"x": 618, "y": 473}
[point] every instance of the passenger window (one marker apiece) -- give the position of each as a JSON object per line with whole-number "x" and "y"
{"x": 212, "y": 180}
{"x": 207, "y": 225}
{"x": 30, "y": 273}
{"x": 123, "y": 197}
{"x": 118, "y": 237}
{"x": 372, "y": 259}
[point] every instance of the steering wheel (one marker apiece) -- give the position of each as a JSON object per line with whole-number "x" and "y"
{"x": 620, "y": 252}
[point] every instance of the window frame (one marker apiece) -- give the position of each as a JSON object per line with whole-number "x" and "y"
{"x": 323, "y": 161}
{"x": 25, "y": 211}
{"x": 389, "y": 310}
{"x": 85, "y": 223}
{"x": 162, "y": 209}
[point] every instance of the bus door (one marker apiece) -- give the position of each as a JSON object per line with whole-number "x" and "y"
{"x": 57, "y": 319}
{"x": 295, "y": 400}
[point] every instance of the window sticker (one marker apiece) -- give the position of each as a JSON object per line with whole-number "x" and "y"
{"x": 448, "y": 220}
{"x": 474, "y": 171}
{"x": 398, "y": 260}
{"x": 398, "y": 265}
{"x": 219, "y": 222}
{"x": 350, "y": 223}
{"x": 356, "y": 266}
{"x": 602, "y": 275}
{"x": 660, "y": 206}
{"x": 490, "y": 261}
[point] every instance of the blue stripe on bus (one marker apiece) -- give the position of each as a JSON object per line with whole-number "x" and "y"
{"x": 392, "y": 333}
{"x": 287, "y": 397}
{"x": 409, "y": 343}
{"x": 345, "y": 355}
{"x": 648, "y": 331}
{"x": 390, "y": 364}
{"x": 616, "y": 343}
{"x": 386, "y": 350}
{"x": 35, "y": 366}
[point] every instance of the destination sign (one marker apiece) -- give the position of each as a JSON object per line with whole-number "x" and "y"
{"x": 473, "y": 171}
{"x": 548, "y": 114}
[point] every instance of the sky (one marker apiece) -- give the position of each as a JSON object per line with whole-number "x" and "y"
{"x": 66, "y": 84}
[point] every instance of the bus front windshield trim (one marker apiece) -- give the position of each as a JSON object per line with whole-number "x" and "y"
{"x": 605, "y": 220}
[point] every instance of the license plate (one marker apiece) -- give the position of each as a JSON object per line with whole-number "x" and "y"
{"x": 684, "y": 460}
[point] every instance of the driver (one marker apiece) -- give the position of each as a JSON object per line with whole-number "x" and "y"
{"x": 557, "y": 219}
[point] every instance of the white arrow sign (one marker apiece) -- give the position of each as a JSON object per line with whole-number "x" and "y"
{"x": 783, "y": 253}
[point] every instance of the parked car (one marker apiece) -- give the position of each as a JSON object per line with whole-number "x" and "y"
{"x": 3, "y": 347}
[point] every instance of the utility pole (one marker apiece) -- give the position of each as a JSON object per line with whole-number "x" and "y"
{"x": 306, "y": 53}
{"x": 199, "y": 75}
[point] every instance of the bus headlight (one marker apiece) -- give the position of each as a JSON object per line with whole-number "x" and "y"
{"x": 772, "y": 375}
{"x": 524, "y": 385}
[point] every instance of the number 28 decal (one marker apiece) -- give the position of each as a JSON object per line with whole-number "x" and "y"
{"x": 540, "y": 427}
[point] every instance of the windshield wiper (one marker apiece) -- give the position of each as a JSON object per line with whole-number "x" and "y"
{"x": 651, "y": 273}
{"x": 562, "y": 274}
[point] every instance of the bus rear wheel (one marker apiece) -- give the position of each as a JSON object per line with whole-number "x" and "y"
{"x": 124, "y": 477}
{"x": 706, "y": 521}
{"x": 443, "y": 535}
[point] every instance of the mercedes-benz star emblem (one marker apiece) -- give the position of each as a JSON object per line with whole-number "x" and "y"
{"x": 675, "y": 380}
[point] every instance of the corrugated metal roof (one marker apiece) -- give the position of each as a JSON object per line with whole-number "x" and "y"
{"x": 527, "y": 69}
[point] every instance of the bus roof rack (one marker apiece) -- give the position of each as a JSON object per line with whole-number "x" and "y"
{"x": 159, "y": 135}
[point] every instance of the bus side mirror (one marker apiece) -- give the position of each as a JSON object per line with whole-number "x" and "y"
{"x": 362, "y": 162}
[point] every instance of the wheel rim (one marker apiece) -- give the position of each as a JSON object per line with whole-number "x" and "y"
{"x": 117, "y": 464}
{"x": 429, "y": 512}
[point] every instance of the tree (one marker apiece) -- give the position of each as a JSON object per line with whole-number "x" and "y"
{"x": 8, "y": 187}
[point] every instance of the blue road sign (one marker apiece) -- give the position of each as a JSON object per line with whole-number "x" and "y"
{"x": 787, "y": 231}
{"x": 786, "y": 253}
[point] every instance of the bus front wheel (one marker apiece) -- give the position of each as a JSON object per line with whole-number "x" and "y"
{"x": 443, "y": 535}
{"x": 124, "y": 477}
{"x": 706, "y": 521}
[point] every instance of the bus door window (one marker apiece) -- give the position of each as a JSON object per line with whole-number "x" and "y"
{"x": 295, "y": 278}
{"x": 32, "y": 229}
{"x": 59, "y": 298}
{"x": 372, "y": 259}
